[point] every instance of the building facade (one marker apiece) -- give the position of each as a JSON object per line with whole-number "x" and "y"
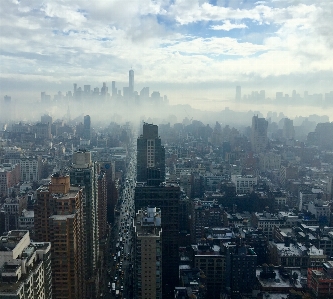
{"x": 148, "y": 254}
{"x": 25, "y": 267}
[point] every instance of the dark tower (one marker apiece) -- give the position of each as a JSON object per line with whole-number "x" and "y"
{"x": 150, "y": 156}
{"x": 87, "y": 127}
{"x": 151, "y": 190}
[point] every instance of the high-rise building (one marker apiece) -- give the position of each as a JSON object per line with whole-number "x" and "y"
{"x": 238, "y": 93}
{"x": 131, "y": 83}
{"x": 102, "y": 204}
{"x": 150, "y": 156}
{"x": 84, "y": 173}
{"x": 151, "y": 190}
{"x": 114, "y": 89}
{"x": 31, "y": 168}
{"x": 240, "y": 268}
{"x": 25, "y": 267}
{"x": 259, "y": 139}
{"x": 87, "y": 127}
{"x": 104, "y": 89}
{"x": 288, "y": 129}
{"x": 86, "y": 89}
{"x": 59, "y": 220}
{"x": 166, "y": 197}
{"x": 148, "y": 254}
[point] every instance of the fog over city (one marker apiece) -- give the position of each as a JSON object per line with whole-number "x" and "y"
{"x": 196, "y": 52}
{"x": 166, "y": 149}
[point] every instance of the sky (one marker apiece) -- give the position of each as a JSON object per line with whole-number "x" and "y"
{"x": 192, "y": 50}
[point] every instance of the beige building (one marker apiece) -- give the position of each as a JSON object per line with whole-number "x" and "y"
{"x": 148, "y": 254}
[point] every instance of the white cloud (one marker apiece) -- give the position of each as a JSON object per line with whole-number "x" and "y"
{"x": 65, "y": 40}
{"x": 227, "y": 26}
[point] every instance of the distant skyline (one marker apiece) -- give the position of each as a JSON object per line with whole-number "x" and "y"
{"x": 187, "y": 49}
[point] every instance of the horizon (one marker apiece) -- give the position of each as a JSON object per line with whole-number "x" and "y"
{"x": 192, "y": 51}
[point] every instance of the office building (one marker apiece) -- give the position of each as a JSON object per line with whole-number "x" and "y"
{"x": 25, "y": 267}
{"x": 30, "y": 168}
{"x": 148, "y": 254}
{"x": 12, "y": 209}
{"x": 59, "y": 219}
{"x": 259, "y": 139}
{"x": 151, "y": 190}
{"x": 131, "y": 83}
{"x": 240, "y": 268}
{"x": 208, "y": 258}
{"x": 87, "y": 127}
{"x": 166, "y": 197}
{"x": 83, "y": 173}
{"x": 104, "y": 90}
{"x": 244, "y": 183}
{"x": 102, "y": 204}
{"x": 150, "y": 156}
{"x": 114, "y": 89}
{"x": 288, "y": 129}
{"x": 10, "y": 176}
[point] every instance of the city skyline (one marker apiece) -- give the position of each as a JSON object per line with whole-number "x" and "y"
{"x": 191, "y": 50}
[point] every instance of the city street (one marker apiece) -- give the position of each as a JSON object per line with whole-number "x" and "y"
{"x": 119, "y": 260}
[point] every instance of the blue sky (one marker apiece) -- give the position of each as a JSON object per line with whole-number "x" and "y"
{"x": 177, "y": 46}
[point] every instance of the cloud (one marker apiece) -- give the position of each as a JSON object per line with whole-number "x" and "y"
{"x": 167, "y": 41}
{"x": 227, "y": 26}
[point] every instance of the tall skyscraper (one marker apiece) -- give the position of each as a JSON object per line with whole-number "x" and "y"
{"x": 25, "y": 267}
{"x": 259, "y": 139}
{"x": 150, "y": 156}
{"x": 131, "y": 83}
{"x": 166, "y": 197}
{"x": 87, "y": 127}
{"x": 148, "y": 254}
{"x": 151, "y": 190}
{"x": 114, "y": 89}
{"x": 59, "y": 220}
{"x": 238, "y": 93}
{"x": 83, "y": 173}
{"x": 288, "y": 129}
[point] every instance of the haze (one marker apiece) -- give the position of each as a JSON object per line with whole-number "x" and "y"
{"x": 194, "y": 51}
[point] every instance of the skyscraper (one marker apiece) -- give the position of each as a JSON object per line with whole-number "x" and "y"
{"x": 83, "y": 173}
{"x": 131, "y": 83}
{"x": 150, "y": 156}
{"x": 151, "y": 190}
{"x": 114, "y": 89}
{"x": 148, "y": 254}
{"x": 87, "y": 127}
{"x": 259, "y": 139}
{"x": 288, "y": 129}
{"x": 59, "y": 220}
{"x": 166, "y": 197}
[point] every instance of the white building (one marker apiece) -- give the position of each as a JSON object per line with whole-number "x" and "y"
{"x": 30, "y": 168}
{"x": 25, "y": 267}
{"x": 319, "y": 209}
{"x": 244, "y": 183}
